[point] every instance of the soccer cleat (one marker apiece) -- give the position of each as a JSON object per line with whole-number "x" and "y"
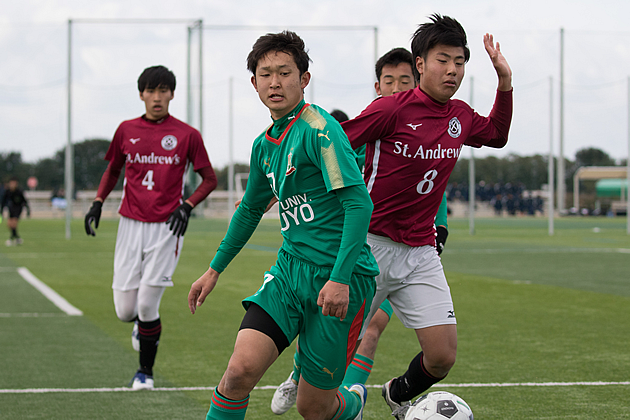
{"x": 360, "y": 390}
{"x": 285, "y": 396}
{"x": 398, "y": 410}
{"x": 135, "y": 337}
{"x": 19, "y": 241}
{"x": 141, "y": 381}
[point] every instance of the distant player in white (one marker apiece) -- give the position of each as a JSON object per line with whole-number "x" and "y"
{"x": 155, "y": 151}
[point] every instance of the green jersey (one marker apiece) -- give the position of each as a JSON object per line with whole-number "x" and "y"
{"x": 302, "y": 159}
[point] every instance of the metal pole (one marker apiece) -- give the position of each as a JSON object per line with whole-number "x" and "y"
{"x": 628, "y": 167}
{"x": 188, "y": 81}
{"x": 231, "y": 150}
{"x": 376, "y": 57}
{"x": 375, "y": 46}
{"x": 550, "y": 209}
{"x": 471, "y": 176}
{"x": 189, "y": 102}
{"x": 69, "y": 168}
{"x": 561, "y": 176}
{"x": 200, "y": 23}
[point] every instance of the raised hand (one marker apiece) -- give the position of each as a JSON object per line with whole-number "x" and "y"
{"x": 504, "y": 72}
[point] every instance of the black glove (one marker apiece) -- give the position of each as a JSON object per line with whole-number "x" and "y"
{"x": 178, "y": 220}
{"x": 93, "y": 215}
{"x": 28, "y": 212}
{"x": 440, "y": 239}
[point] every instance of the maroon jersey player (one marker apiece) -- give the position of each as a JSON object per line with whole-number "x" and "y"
{"x": 413, "y": 140}
{"x": 155, "y": 151}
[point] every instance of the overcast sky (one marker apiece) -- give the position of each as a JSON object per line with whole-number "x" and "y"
{"x": 108, "y": 57}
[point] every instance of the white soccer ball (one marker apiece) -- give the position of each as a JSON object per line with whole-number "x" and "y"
{"x": 439, "y": 406}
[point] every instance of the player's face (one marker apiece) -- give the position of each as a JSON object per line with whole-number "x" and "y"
{"x": 442, "y": 71}
{"x": 13, "y": 185}
{"x": 394, "y": 79}
{"x": 279, "y": 84}
{"x": 156, "y": 102}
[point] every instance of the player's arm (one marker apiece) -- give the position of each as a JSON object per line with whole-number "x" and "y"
{"x": 242, "y": 226}
{"x": 357, "y": 205}
{"x": 500, "y": 117}
{"x": 372, "y": 124}
{"x": 178, "y": 220}
{"x": 107, "y": 184}
{"x": 28, "y": 208}
{"x": 441, "y": 226}
{"x": 501, "y": 66}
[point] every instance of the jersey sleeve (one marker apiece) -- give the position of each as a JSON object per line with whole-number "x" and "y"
{"x": 492, "y": 131}
{"x": 375, "y": 122}
{"x": 358, "y": 207}
{"x": 114, "y": 154}
{"x": 330, "y": 150}
{"x": 197, "y": 153}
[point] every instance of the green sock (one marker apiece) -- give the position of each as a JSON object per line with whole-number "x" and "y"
{"x": 350, "y": 404}
{"x": 222, "y": 408}
{"x": 359, "y": 370}
{"x": 297, "y": 367}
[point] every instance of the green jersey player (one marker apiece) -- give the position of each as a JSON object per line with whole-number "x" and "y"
{"x": 323, "y": 281}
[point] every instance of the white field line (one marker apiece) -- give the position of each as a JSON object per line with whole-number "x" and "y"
{"x": 269, "y": 387}
{"x": 30, "y": 315}
{"x": 49, "y": 293}
{"x": 540, "y": 250}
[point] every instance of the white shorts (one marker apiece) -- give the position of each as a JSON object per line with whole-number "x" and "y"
{"x": 413, "y": 280}
{"x": 145, "y": 253}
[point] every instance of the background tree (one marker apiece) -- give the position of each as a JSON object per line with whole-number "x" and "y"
{"x": 11, "y": 165}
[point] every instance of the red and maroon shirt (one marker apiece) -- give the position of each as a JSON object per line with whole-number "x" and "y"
{"x": 412, "y": 145}
{"x": 155, "y": 156}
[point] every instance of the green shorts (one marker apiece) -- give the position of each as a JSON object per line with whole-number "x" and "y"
{"x": 326, "y": 344}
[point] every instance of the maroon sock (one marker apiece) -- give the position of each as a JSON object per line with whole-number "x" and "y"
{"x": 414, "y": 382}
{"x": 149, "y": 337}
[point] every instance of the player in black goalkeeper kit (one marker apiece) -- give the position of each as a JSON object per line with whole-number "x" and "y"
{"x": 15, "y": 202}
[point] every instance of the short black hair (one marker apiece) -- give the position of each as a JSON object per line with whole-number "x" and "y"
{"x": 156, "y": 76}
{"x": 339, "y": 115}
{"x": 287, "y": 42}
{"x": 442, "y": 30}
{"x": 393, "y": 58}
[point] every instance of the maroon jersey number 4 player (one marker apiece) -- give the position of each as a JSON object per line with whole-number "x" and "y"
{"x": 413, "y": 140}
{"x": 155, "y": 151}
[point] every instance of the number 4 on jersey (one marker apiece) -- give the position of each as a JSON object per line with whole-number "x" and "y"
{"x": 148, "y": 180}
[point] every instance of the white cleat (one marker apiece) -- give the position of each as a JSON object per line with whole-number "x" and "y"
{"x": 285, "y": 396}
{"x": 398, "y": 410}
{"x": 360, "y": 390}
{"x": 141, "y": 381}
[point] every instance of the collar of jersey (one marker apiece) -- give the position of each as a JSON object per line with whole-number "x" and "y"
{"x": 429, "y": 100}
{"x": 160, "y": 121}
{"x": 287, "y": 121}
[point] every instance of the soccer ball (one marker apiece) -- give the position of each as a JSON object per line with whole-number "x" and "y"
{"x": 439, "y": 406}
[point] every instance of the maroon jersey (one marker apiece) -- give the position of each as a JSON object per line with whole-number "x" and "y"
{"x": 155, "y": 156}
{"x": 413, "y": 144}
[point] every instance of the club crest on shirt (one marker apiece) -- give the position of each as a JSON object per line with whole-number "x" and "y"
{"x": 454, "y": 127}
{"x": 169, "y": 142}
{"x": 290, "y": 167}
